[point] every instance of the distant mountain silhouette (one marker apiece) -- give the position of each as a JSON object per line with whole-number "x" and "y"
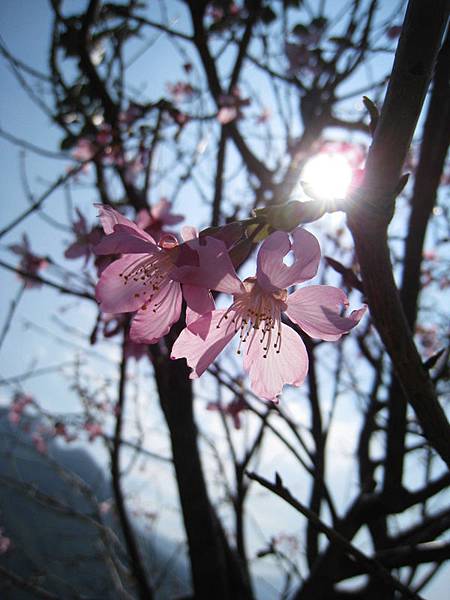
{"x": 55, "y": 529}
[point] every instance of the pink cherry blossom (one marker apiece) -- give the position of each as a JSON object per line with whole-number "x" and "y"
{"x": 181, "y": 90}
{"x": 39, "y": 442}
{"x": 30, "y": 263}
{"x": 105, "y": 506}
{"x": 83, "y": 151}
{"x": 159, "y": 216}
{"x": 94, "y": 430}
{"x": 227, "y": 114}
{"x": 5, "y": 542}
{"x": 274, "y": 354}
{"x": 264, "y": 116}
{"x": 230, "y": 106}
{"x": 86, "y": 238}
{"x": 148, "y": 278}
{"x": 104, "y": 136}
{"x": 233, "y": 409}
{"x": 17, "y": 406}
{"x": 131, "y": 114}
{"x": 115, "y": 324}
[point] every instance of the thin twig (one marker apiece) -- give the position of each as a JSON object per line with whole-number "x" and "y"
{"x": 371, "y": 565}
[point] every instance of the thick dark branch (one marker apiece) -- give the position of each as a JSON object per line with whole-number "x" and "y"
{"x": 218, "y": 182}
{"x": 370, "y": 215}
{"x": 136, "y": 563}
{"x": 111, "y": 111}
{"x": 215, "y": 572}
{"x": 317, "y": 490}
{"x": 433, "y": 150}
{"x": 405, "y": 556}
{"x": 413, "y": 67}
{"x": 427, "y": 530}
{"x": 244, "y": 42}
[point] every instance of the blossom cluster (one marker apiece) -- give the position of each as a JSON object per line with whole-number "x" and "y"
{"x": 153, "y": 275}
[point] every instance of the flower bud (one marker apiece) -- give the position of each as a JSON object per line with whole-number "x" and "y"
{"x": 286, "y": 217}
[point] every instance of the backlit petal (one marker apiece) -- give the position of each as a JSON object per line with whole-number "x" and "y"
{"x": 116, "y": 296}
{"x": 214, "y": 269}
{"x": 204, "y": 341}
{"x": 155, "y": 320}
{"x": 126, "y": 240}
{"x": 199, "y": 301}
{"x": 273, "y": 274}
{"x": 270, "y": 370}
{"x": 188, "y": 233}
{"x": 316, "y": 309}
{"x": 109, "y": 217}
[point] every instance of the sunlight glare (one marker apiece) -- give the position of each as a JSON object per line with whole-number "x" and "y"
{"x": 328, "y": 175}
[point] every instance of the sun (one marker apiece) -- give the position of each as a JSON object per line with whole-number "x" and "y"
{"x": 328, "y": 175}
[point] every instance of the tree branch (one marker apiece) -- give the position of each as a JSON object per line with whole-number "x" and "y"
{"x": 369, "y": 217}
{"x": 369, "y": 565}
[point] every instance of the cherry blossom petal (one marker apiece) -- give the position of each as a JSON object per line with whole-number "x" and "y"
{"x": 116, "y": 296}
{"x": 214, "y": 270}
{"x": 155, "y": 320}
{"x": 189, "y": 233}
{"x": 204, "y": 341}
{"x": 316, "y": 310}
{"x": 126, "y": 240}
{"x": 199, "y": 301}
{"x": 273, "y": 274}
{"x": 269, "y": 370}
{"x": 110, "y": 217}
{"x": 143, "y": 218}
{"x": 162, "y": 212}
{"x": 227, "y": 114}
{"x": 76, "y": 250}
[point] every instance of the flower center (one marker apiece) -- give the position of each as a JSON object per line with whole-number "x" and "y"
{"x": 151, "y": 271}
{"x": 257, "y": 316}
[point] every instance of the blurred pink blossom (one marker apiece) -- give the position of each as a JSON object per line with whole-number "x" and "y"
{"x": 86, "y": 238}
{"x": 30, "y": 263}
{"x": 39, "y": 442}
{"x": 131, "y": 114}
{"x": 17, "y": 406}
{"x": 233, "y": 409}
{"x": 105, "y": 507}
{"x": 5, "y": 542}
{"x": 160, "y": 216}
{"x": 94, "y": 430}
{"x": 230, "y": 106}
{"x": 180, "y": 91}
{"x": 83, "y": 150}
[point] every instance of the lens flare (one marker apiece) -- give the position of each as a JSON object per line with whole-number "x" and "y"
{"x": 328, "y": 176}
